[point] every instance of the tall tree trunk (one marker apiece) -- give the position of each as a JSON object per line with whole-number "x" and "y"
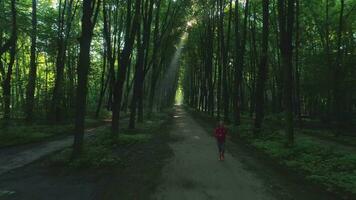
{"x": 297, "y": 70}
{"x": 262, "y": 70}
{"x": 90, "y": 13}
{"x": 224, "y": 57}
{"x": 240, "y": 45}
{"x": 138, "y": 79}
{"x": 65, "y": 19}
{"x": 286, "y": 14}
{"x": 10, "y": 46}
{"x": 103, "y": 83}
{"x": 148, "y": 15}
{"x": 33, "y": 68}
{"x": 337, "y": 91}
{"x": 124, "y": 61}
{"x": 210, "y": 57}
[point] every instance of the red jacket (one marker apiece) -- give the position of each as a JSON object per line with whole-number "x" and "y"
{"x": 220, "y": 133}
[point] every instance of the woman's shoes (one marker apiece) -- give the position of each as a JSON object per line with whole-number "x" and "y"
{"x": 221, "y": 157}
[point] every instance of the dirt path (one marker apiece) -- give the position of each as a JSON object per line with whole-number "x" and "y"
{"x": 195, "y": 173}
{"x": 19, "y": 156}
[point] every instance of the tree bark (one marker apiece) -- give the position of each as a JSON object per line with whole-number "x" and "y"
{"x": 64, "y": 30}
{"x": 286, "y": 14}
{"x": 90, "y": 13}
{"x": 337, "y": 91}
{"x": 124, "y": 61}
{"x": 33, "y": 67}
{"x": 262, "y": 70}
{"x": 10, "y": 46}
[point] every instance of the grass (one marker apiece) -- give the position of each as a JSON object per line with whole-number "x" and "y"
{"x": 333, "y": 168}
{"x": 19, "y": 133}
{"x": 105, "y": 152}
{"x": 323, "y": 165}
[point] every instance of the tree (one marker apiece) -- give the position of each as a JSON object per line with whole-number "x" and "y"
{"x": 240, "y": 47}
{"x": 10, "y": 46}
{"x": 90, "y": 14}
{"x": 31, "y": 85}
{"x": 337, "y": 106}
{"x": 65, "y": 19}
{"x": 262, "y": 70}
{"x": 130, "y": 34}
{"x": 286, "y": 14}
{"x": 141, "y": 63}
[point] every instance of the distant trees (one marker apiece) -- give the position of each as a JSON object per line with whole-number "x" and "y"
{"x": 261, "y": 58}
{"x": 284, "y": 57}
{"x": 66, "y": 13}
{"x": 83, "y": 58}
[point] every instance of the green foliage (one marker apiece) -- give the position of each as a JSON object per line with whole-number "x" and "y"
{"x": 332, "y": 168}
{"x": 19, "y": 133}
{"x": 131, "y": 139}
{"x": 104, "y": 151}
{"x": 93, "y": 156}
{"x": 15, "y": 135}
{"x": 99, "y": 152}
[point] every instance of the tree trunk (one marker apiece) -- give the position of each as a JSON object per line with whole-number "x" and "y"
{"x": 263, "y": 70}
{"x": 286, "y": 12}
{"x": 33, "y": 68}
{"x": 337, "y": 92}
{"x": 240, "y": 46}
{"x": 10, "y": 46}
{"x": 224, "y": 58}
{"x": 297, "y": 70}
{"x": 64, "y": 30}
{"x": 90, "y": 13}
{"x": 124, "y": 61}
{"x": 138, "y": 79}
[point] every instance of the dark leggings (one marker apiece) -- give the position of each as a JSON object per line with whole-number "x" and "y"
{"x": 221, "y": 147}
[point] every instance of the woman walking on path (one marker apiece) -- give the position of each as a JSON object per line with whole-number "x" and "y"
{"x": 220, "y": 133}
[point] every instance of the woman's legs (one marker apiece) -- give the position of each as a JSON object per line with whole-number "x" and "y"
{"x": 221, "y": 147}
{"x": 222, "y": 150}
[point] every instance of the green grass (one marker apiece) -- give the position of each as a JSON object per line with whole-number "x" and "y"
{"x": 333, "y": 168}
{"x": 19, "y": 133}
{"x": 98, "y": 153}
{"x": 103, "y": 151}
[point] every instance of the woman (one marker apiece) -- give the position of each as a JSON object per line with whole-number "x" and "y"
{"x": 220, "y": 134}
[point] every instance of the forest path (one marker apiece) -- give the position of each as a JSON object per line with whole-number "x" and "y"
{"x": 19, "y": 156}
{"x": 195, "y": 172}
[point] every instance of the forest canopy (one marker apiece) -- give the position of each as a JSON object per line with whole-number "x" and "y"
{"x": 67, "y": 59}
